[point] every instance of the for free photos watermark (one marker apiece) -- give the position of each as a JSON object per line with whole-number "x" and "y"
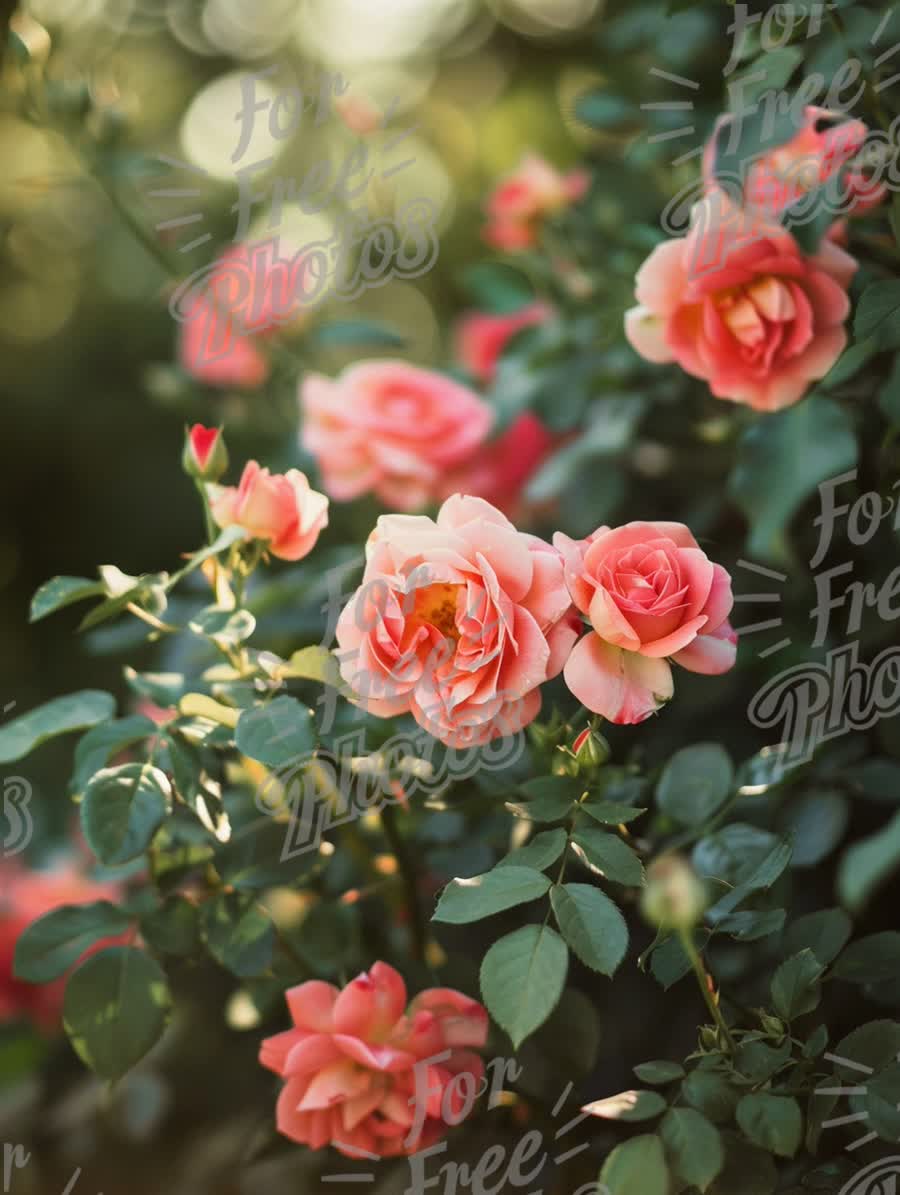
{"x": 499, "y": 1168}
{"x": 878, "y": 1178}
{"x": 812, "y": 703}
{"x": 17, "y": 820}
{"x": 248, "y": 292}
{"x": 322, "y": 789}
{"x": 16, "y": 1157}
{"x": 797, "y": 188}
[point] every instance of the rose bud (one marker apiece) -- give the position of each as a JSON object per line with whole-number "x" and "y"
{"x": 205, "y": 455}
{"x": 675, "y": 896}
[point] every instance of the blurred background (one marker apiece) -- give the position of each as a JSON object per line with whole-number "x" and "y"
{"x": 118, "y": 130}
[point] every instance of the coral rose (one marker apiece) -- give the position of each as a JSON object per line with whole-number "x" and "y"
{"x": 481, "y": 337}
{"x": 737, "y": 303}
{"x": 824, "y": 144}
{"x": 458, "y": 621}
{"x": 280, "y": 508}
{"x": 522, "y": 200}
{"x": 26, "y": 895}
{"x": 650, "y": 594}
{"x": 391, "y": 429}
{"x": 370, "y": 1076}
{"x": 247, "y": 293}
{"x": 502, "y": 468}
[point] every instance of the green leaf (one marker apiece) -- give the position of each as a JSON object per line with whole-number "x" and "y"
{"x": 609, "y": 855}
{"x": 238, "y": 934}
{"x": 825, "y": 933}
{"x": 498, "y": 287}
{"x": 764, "y": 876}
{"x": 732, "y": 854}
{"x": 775, "y": 1123}
{"x": 60, "y": 592}
{"x": 275, "y": 734}
{"x": 749, "y": 925}
{"x": 610, "y": 813}
{"x": 878, "y": 314}
{"x": 871, "y": 959}
{"x": 162, "y": 688}
{"x": 604, "y": 110}
{"x": 483, "y": 895}
{"x": 637, "y": 1167}
{"x": 867, "y": 864}
{"x": 758, "y": 1061}
{"x": 781, "y": 460}
{"x": 328, "y": 938}
{"x": 226, "y": 628}
{"x": 872, "y": 1045}
{"x": 695, "y": 783}
{"x": 522, "y": 978}
{"x": 795, "y": 986}
{"x": 94, "y": 750}
{"x": 53, "y": 943}
{"x": 710, "y": 1094}
{"x": 693, "y": 1145}
{"x": 817, "y": 822}
{"x": 341, "y": 333}
{"x": 592, "y": 925}
{"x": 122, "y": 809}
{"x": 550, "y": 798}
{"x": 882, "y": 1102}
{"x": 659, "y": 1072}
{"x": 849, "y": 363}
{"x": 743, "y": 138}
{"x": 630, "y": 1106}
{"x": 78, "y": 711}
{"x": 173, "y": 928}
{"x": 545, "y": 848}
{"x": 116, "y": 1007}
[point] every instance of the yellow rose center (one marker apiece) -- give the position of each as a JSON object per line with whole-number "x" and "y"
{"x": 436, "y": 605}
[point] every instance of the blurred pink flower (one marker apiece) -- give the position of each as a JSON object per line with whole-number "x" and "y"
{"x": 391, "y": 429}
{"x": 522, "y": 199}
{"x": 26, "y": 895}
{"x": 816, "y": 154}
{"x": 481, "y": 337}
{"x": 358, "y": 1064}
{"x": 650, "y": 594}
{"x": 501, "y": 468}
{"x": 280, "y": 508}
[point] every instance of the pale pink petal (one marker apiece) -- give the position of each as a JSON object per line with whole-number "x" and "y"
{"x": 621, "y": 686}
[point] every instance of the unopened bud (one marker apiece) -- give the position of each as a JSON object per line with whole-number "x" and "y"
{"x": 591, "y": 751}
{"x": 205, "y": 455}
{"x": 675, "y": 896}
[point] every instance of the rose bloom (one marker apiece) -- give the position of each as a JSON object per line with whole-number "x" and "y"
{"x": 817, "y": 153}
{"x": 737, "y": 303}
{"x": 26, "y": 895}
{"x": 481, "y": 337}
{"x": 391, "y": 429}
{"x": 280, "y": 508}
{"x": 650, "y": 595}
{"x": 248, "y": 294}
{"x": 501, "y": 468}
{"x": 533, "y": 191}
{"x": 458, "y": 621}
{"x": 357, "y": 1067}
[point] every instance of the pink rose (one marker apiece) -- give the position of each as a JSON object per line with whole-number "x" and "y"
{"x": 650, "y": 594}
{"x": 361, "y": 1070}
{"x": 525, "y": 197}
{"x": 501, "y": 469}
{"x": 247, "y": 294}
{"x": 25, "y": 896}
{"x": 736, "y": 302}
{"x": 391, "y": 429}
{"x": 281, "y": 508}
{"x": 816, "y": 154}
{"x": 481, "y": 338}
{"x": 458, "y": 621}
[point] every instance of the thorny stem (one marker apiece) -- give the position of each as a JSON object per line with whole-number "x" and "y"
{"x": 702, "y": 975}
